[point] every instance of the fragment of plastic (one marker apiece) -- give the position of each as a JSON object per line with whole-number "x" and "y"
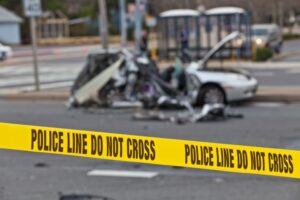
{"x": 126, "y": 104}
{"x": 151, "y": 116}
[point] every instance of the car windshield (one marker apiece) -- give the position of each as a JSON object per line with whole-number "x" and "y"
{"x": 259, "y": 32}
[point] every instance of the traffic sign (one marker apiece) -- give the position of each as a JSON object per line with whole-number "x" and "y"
{"x": 32, "y": 8}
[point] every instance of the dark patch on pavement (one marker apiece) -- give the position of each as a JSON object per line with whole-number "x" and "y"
{"x": 83, "y": 197}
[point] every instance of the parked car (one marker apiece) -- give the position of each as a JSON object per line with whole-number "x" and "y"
{"x": 267, "y": 35}
{"x": 5, "y": 52}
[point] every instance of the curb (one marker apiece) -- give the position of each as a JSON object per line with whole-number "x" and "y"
{"x": 36, "y": 96}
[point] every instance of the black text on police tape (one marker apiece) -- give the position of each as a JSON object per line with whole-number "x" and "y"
{"x": 78, "y": 143}
{"x": 205, "y": 155}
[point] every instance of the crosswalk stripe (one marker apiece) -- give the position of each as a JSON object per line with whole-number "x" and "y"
{"x": 293, "y": 71}
{"x": 43, "y": 86}
{"x": 268, "y": 104}
{"x": 30, "y": 80}
{"x": 123, "y": 173}
{"x": 263, "y": 74}
{"x": 27, "y": 70}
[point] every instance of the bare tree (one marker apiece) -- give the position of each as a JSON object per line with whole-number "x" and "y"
{"x": 262, "y": 10}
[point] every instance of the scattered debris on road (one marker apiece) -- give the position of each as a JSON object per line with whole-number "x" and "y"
{"x": 41, "y": 165}
{"x": 213, "y": 112}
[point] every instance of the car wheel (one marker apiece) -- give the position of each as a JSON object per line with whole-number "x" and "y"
{"x": 211, "y": 94}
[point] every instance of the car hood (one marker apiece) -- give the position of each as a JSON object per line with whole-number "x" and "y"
{"x": 227, "y": 70}
{"x": 202, "y": 63}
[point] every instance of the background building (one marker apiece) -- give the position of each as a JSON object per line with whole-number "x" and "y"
{"x": 9, "y": 27}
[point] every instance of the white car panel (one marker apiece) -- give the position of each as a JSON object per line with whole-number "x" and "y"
{"x": 236, "y": 86}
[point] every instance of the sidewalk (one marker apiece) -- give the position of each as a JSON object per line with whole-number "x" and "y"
{"x": 43, "y": 95}
{"x": 264, "y": 94}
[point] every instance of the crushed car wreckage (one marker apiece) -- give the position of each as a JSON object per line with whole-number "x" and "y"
{"x": 127, "y": 78}
{"x": 115, "y": 79}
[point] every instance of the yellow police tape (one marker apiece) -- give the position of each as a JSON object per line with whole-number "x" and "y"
{"x": 158, "y": 151}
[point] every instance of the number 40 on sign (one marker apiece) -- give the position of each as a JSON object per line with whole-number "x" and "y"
{"x": 32, "y": 8}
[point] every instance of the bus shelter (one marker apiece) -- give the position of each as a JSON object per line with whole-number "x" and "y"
{"x": 204, "y": 31}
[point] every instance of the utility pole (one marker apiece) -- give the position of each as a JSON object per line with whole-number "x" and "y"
{"x": 103, "y": 23}
{"x": 280, "y": 14}
{"x": 123, "y": 22}
{"x": 34, "y": 53}
{"x": 138, "y": 25}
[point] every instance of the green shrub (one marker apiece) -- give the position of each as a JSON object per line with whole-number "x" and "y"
{"x": 290, "y": 36}
{"x": 263, "y": 54}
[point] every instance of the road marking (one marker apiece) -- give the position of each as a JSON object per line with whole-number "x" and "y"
{"x": 19, "y": 78}
{"x": 263, "y": 74}
{"x": 293, "y": 71}
{"x": 43, "y": 86}
{"x": 268, "y": 104}
{"x": 24, "y": 81}
{"x": 123, "y": 173}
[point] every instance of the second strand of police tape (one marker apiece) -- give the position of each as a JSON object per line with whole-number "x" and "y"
{"x": 150, "y": 150}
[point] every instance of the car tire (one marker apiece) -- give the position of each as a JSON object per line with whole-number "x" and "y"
{"x": 211, "y": 94}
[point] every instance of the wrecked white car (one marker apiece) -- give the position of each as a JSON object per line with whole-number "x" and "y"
{"x": 121, "y": 76}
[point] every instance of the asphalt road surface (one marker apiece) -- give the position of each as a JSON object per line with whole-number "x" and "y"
{"x": 286, "y": 77}
{"x": 31, "y": 176}
{"x": 291, "y": 46}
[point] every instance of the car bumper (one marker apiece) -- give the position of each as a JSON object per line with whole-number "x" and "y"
{"x": 242, "y": 91}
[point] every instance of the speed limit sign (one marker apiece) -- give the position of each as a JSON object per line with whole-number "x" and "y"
{"x": 32, "y": 8}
